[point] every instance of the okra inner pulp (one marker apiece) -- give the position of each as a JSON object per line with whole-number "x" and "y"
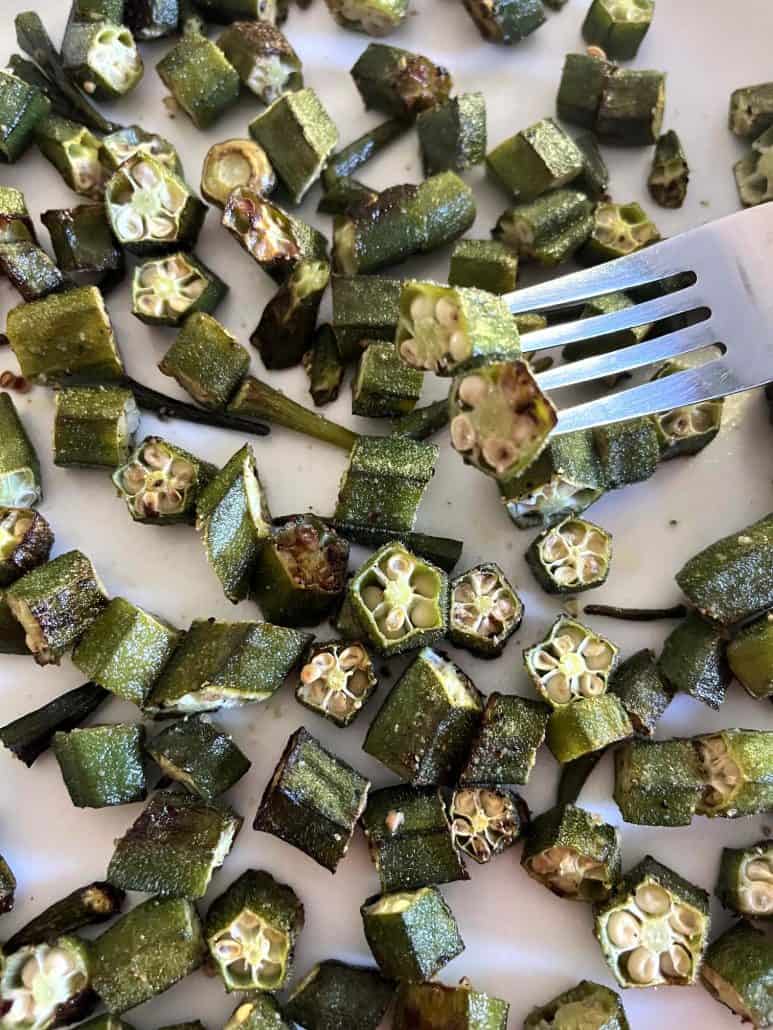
{"x": 41, "y": 979}
{"x": 158, "y": 482}
{"x": 575, "y": 553}
{"x": 310, "y": 561}
{"x": 252, "y": 952}
{"x": 722, "y": 776}
{"x": 682, "y": 423}
{"x": 483, "y": 822}
{"x": 15, "y": 523}
{"x": 262, "y": 234}
{"x": 88, "y": 175}
{"x": 113, "y": 57}
{"x": 402, "y": 596}
{"x": 337, "y": 680}
{"x": 755, "y": 884}
{"x": 556, "y": 495}
{"x": 145, "y": 203}
{"x": 572, "y": 663}
{"x": 482, "y": 604}
{"x": 621, "y": 227}
{"x": 436, "y": 337}
{"x": 168, "y": 287}
{"x": 564, "y": 869}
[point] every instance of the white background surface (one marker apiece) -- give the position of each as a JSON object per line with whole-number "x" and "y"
{"x": 523, "y": 944}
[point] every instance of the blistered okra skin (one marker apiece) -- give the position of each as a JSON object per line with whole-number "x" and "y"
{"x": 195, "y": 753}
{"x": 30, "y": 270}
{"x": 7, "y": 886}
{"x": 365, "y": 307}
{"x": 505, "y": 749}
{"x": 485, "y": 264}
{"x": 430, "y": 1005}
{"x": 399, "y": 82}
{"x": 452, "y": 135}
{"x": 506, "y": 21}
{"x": 657, "y": 783}
{"x": 47, "y": 985}
{"x": 383, "y": 385}
{"x": 335, "y": 994}
{"x": 206, "y": 360}
{"x": 25, "y": 542}
{"x": 588, "y": 1001}
{"x": 643, "y": 691}
{"x": 94, "y": 426}
{"x": 744, "y": 884}
{"x": 20, "y": 482}
{"x": 203, "y": 83}
{"x": 539, "y": 158}
{"x": 22, "y": 108}
{"x": 737, "y": 972}
{"x": 694, "y": 662}
{"x": 84, "y": 247}
{"x": 102, "y": 765}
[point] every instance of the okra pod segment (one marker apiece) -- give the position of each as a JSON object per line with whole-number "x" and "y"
{"x": 736, "y": 971}
{"x": 428, "y": 1004}
{"x": 160, "y": 482}
{"x": 657, "y": 783}
{"x": 399, "y": 82}
{"x": 618, "y": 229}
{"x": 256, "y": 400}
{"x": 261, "y": 1012}
{"x": 506, "y": 21}
{"x": 47, "y": 985}
{"x": 166, "y": 290}
{"x": 631, "y": 108}
{"x": 484, "y": 264}
{"x": 263, "y": 58}
{"x": 641, "y": 688}
{"x": 25, "y": 542}
{"x": 333, "y": 993}
{"x": 102, "y": 58}
{"x": 549, "y": 229}
{"x": 12, "y": 636}
{"x": 22, "y": 108}
{"x": 628, "y": 452}
{"x": 594, "y": 178}
{"x": 383, "y": 385}
{"x": 735, "y": 767}
{"x": 373, "y": 17}
{"x": 324, "y": 366}
{"x": 206, "y": 360}
{"x": 505, "y": 749}
{"x": 694, "y": 662}
{"x": 74, "y": 151}
{"x": 587, "y": 1001}
{"x": 484, "y": 611}
{"x": 571, "y": 557}
{"x": 84, "y": 247}
{"x": 670, "y": 173}
{"x": 288, "y": 321}
{"x": 102, "y": 765}
{"x": 30, "y": 270}
{"x": 452, "y": 135}
{"x": 152, "y": 19}
{"x": 751, "y": 110}
{"x": 618, "y": 28}
{"x": 606, "y": 304}
{"x": 346, "y": 161}
{"x": 587, "y": 725}
{"x": 422, "y": 423}
{"x": 97, "y": 10}
{"x": 201, "y": 80}
{"x": 94, "y": 426}
{"x": 30, "y": 735}
{"x": 365, "y": 307}
{"x": 749, "y": 657}
{"x": 233, "y": 163}
{"x": 583, "y": 79}
{"x": 7, "y": 887}
{"x": 535, "y": 160}
{"x": 346, "y": 195}
{"x": 20, "y": 483}
{"x": 442, "y": 551}
{"x": 313, "y": 801}
{"x": 686, "y": 430}
{"x": 119, "y": 146}
{"x": 485, "y": 821}
{"x": 745, "y": 881}
{"x": 86, "y": 906}
{"x": 16, "y": 225}
{"x": 337, "y": 681}
{"x": 194, "y": 752}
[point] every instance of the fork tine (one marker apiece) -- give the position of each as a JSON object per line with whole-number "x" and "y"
{"x": 626, "y": 358}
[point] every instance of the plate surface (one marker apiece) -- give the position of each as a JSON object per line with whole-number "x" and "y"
{"x": 522, "y": 943}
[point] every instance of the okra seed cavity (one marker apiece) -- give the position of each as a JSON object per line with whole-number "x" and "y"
{"x": 113, "y": 54}
{"x": 573, "y": 663}
{"x": 642, "y": 965}
{"x": 252, "y": 951}
{"x": 262, "y": 234}
{"x": 402, "y": 598}
{"x": 483, "y": 822}
{"x": 168, "y": 287}
{"x": 309, "y": 561}
{"x": 48, "y": 978}
{"x": 722, "y": 775}
{"x": 157, "y": 482}
{"x": 574, "y": 554}
{"x": 337, "y": 681}
{"x": 482, "y": 604}
{"x": 563, "y": 869}
{"x": 144, "y": 204}
{"x": 691, "y": 421}
{"x": 435, "y": 339}
{"x": 624, "y": 929}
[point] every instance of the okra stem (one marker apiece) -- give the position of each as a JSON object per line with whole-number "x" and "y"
{"x": 256, "y": 399}
{"x": 94, "y": 903}
{"x": 354, "y": 156}
{"x": 677, "y": 611}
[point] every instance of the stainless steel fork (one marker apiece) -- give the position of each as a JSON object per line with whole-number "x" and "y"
{"x": 732, "y": 264}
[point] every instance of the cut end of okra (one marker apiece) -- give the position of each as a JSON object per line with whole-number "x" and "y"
{"x": 618, "y": 26}
{"x": 22, "y": 108}
{"x": 505, "y": 750}
{"x": 736, "y": 971}
{"x": 161, "y": 481}
{"x": 571, "y": 663}
{"x": 483, "y": 264}
{"x": 618, "y": 229}
{"x": 571, "y": 557}
{"x": 670, "y": 173}
{"x": 74, "y": 152}
{"x": 337, "y": 681}
{"x": 119, "y": 146}
{"x": 333, "y": 993}
{"x": 535, "y": 160}
{"x": 373, "y": 17}
{"x": 261, "y": 1013}
{"x": 751, "y": 110}
{"x": 485, "y": 821}
{"x": 733, "y": 766}
{"x": 753, "y": 173}
{"x": 15, "y": 222}
{"x": 26, "y": 540}
{"x": 399, "y": 82}
{"x": 206, "y": 360}
{"x": 166, "y": 290}
{"x": 589, "y": 1004}
{"x": 102, "y": 765}
{"x": 686, "y": 430}
{"x": 44, "y": 985}
{"x": 200, "y": 79}
{"x": 234, "y": 163}
{"x": 94, "y": 426}
{"x": 102, "y": 58}
{"x": 263, "y": 58}
{"x": 693, "y": 661}
{"x": 428, "y": 1004}
{"x": 484, "y": 611}
{"x": 506, "y": 21}
{"x": 745, "y": 883}
{"x": 630, "y": 110}
{"x": 288, "y": 321}
{"x": 549, "y": 229}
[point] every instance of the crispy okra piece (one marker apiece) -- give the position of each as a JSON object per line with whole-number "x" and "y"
{"x": 642, "y": 690}
{"x": 737, "y": 972}
{"x": 505, "y": 749}
{"x": 20, "y": 482}
{"x": 324, "y": 365}
{"x": 628, "y": 452}
{"x": 593, "y": 181}
{"x": 166, "y": 290}
{"x": 429, "y": 1005}
{"x": 12, "y": 637}
{"x": 573, "y": 853}
{"x": 484, "y": 612}
{"x": 94, "y": 426}
{"x": 30, "y": 735}
{"x": 484, "y": 264}
{"x": 583, "y": 80}
{"x": 670, "y": 173}
{"x": 750, "y": 658}
{"x": 537, "y": 159}
{"x": 226, "y": 11}
{"x": 653, "y": 930}
{"x": 589, "y": 1005}
{"x": 251, "y": 931}
{"x": 686, "y": 430}
{"x": 256, "y": 400}
{"x": 225, "y": 665}
{"x": 119, "y": 146}
{"x": 452, "y": 135}
{"x": 335, "y": 994}
{"x": 548, "y": 230}
{"x": 174, "y": 846}
{"x": 658, "y": 783}
{"x": 201, "y": 80}
{"x": 16, "y": 225}
{"x": 693, "y": 661}
{"x": 571, "y": 557}
{"x": 313, "y": 801}
{"x": 485, "y": 821}
{"x": 160, "y": 482}
{"x": 194, "y": 752}
{"x": 735, "y": 765}
{"x": 261, "y": 1012}
{"x": 288, "y": 321}
{"x": 412, "y": 934}
{"x": 84, "y": 247}
{"x": 30, "y": 270}
{"x": 506, "y": 21}
{"x": 587, "y": 725}
{"x": 102, "y": 58}
{"x": 354, "y": 155}
{"x": 605, "y": 304}
{"x": 751, "y": 110}
{"x": 373, "y": 17}
{"x": 421, "y": 423}
{"x": 206, "y": 360}
{"x": 74, "y": 151}
{"x": 618, "y": 27}
{"x": 631, "y": 109}
{"x": 146, "y": 951}
{"x": 22, "y": 108}
{"x": 745, "y": 881}
{"x": 264, "y": 60}
{"x": 233, "y": 163}
{"x": 25, "y": 542}
{"x": 383, "y": 385}
{"x": 47, "y": 985}
{"x": 618, "y": 229}
{"x": 152, "y": 19}
{"x": 399, "y": 82}
{"x": 442, "y": 551}
{"x": 337, "y": 681}
{"x": 102, "y": 765}
{"x": 86, "y": 906}
{"x": 365, "y": 307}
{"x": 7, "y": 887}
{"x": 752, "y": 172}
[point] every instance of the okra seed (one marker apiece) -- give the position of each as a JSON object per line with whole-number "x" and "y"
{"x": 398, "y": 566}
{"x": 473, "y": 390}
{"x": 558, "y": 688}
{"x": 30, "y": 971}
{"x": 684, "y": 920}
{"x": 463, "y": 435}
{"x": 642, "y": 965}
{"x": 130, "y": 225}
{"x": 421, "y": 308}
{"x": 652, "y": 899}
{"x": 676, "y": 962}
{"x": 760, "y": 869}
{"x": 447, "y": 313}
{"x": 423, "y": 615}
{"x": 372, "y": 596}
{"x": 499, "y": 454}
{"x": 759, "y": 898}
{"x": 409, "y": 352}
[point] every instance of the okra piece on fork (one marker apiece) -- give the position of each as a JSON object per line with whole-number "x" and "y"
{"x": 428, "y": 1004}
{"x": 22, "y": 108}
{"x": 166, "y": 290}
{"x": 618, "y": 27}
{"x": 20, "y": 483}
{"x": 200, "y": 79}
{"x": 102, "y": 765}
{"x": 399, "y": 82}
{"x": 549, "y": 229}
{"x": 233, "y": 163}
{"x": 288, "y": 321}
{"x": 84, "y": 247}
{"x": 25, "y": 542}
{"x": 736, "y": 971}
{"x": 485, "y": 821}
{"x": 102, "y": 58}
{"x": 195, "y": 753}
{"x": 588, "y": 1002}
{"x": 160, "y": 482}
{"x": 745, "y": 881}
{"x": 506, "y": 21}
{"x": 535, "y": 160}
{"x": 47, "y": 985}
{"x": 373, "y": 17}
{"x": 206, "y": 360}
{"x": 335, "y": 994}
{"x": 505, "y": 748}
{"x": 263, "y": 58}
{"x": 484, "y": 264}
{"x": 94, "y": 426}
{"x": 74, "y": 151}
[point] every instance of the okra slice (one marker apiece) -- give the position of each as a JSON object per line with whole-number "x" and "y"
{"x": 226, "y": 11}
{"x": 594, "y": 179}
{"x": 84, "y": 246}
{"x": 573, "y": 853}
{"x": 399, "y": 82}
{"x": 201, "y": 80}
{"x": 74, "y": 151}
{"x": 119, "y": 146}
{"x": 618, "y": 229}
{"x": 313, "y": 801}
{"x": 160, "y": 482}
{"x": 194, "y": 752}
{"x": 485, "y": 610}
{"x": 425, "y": 727}
{"x": 264, "y": 60}
{"x": 484, "y": 264}
{"x": 745, "y": 882}
{"x": 628, "y": 452}
{"x": 641, "y": 688}
{"x": 30, "y": 270}
{"x": 587, "y": 725}
{"x": 631, "y": 109}
{"x": 658, "y": 783}
{"x": 20, "y": 483}
{"x": 337, "y": 681}
{"x": 422, "y": 423}
{"x": 425, "y": 1005}
{"x": 30, "y": 735}
{"x": 670, "y": 173}
{"x": 535, "y": 160}
{"x": 654, "y": 928}
{"x": 737, "y": 972}
{"x": 505, "y": 749}
{"x": 410, "y": 840}
{"x": 324, "y": 366}
{"x": 146, "y": 952}
{"x": 25, "y": 542}
{"x": 233, "y": 163}
{"x": 686, "y": 430}
{"x": 251, "y": 930}
{"x": 749, "y": 657}
{"x": 606, "y": 304}
{"x": 94, "y": 426}
{"x": 452, "y": 135}
{"x": 547, "y": 230}
{"x": 152, "y": 19}
{"x": 693, "y": 661}
{"x": 383, "y": 385}
{"x": 735, "y": 765}
{"x": 288, "y": 321}
{"x": 506, "y": 21}
{"x": 47, "y": 985}
{"x": 618, "y": 27}
{"x": 260, "y": 1013}
{"x": 442, "y": 551}
{"x": 571, "y": 557}
{"x": 752, "y": 173}
{"x": 751, "y": 110}
{"x": 174, "y": 846}
{"x": 166, "y": 290}
{"x": 571, "y": 663}
{"x": 412, "y": 934}
{"x": 7, "y": 886}
{"x": 206, "y": 360}
{"x": 102, "y": 765}
{"x": 16, "y": 225}
{"x": 334, "y": 994}
{"x": 365, "y": 307}
{"x": 583, "y": 80}
{"x": 485, "y": 821}
{"x": 22, "y": 108}
{"x": 226, "y": 664}
{"x": 589, "y": 1005}
{"x": 373, "y": 17}
{"x": 151, "y": 210}
{"x": 345, "y": 195}
{"x": 102, "y": 58}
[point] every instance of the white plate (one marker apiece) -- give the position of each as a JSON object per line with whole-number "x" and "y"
{"x": 523, "y": 944}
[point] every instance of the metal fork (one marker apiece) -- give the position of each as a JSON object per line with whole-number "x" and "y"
{"x": 732, "y": 262}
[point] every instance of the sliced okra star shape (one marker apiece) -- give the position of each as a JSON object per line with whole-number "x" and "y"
{"x": 485, "y": 821}
{"x": 45, "y": 984}
{"x": 572, "y": 663}
{"x": 337, "y": 681}
{"x": 166, "y": 289}
{"x": 485, "y": 610}
{"x": 745, "y": 882}
{"x": 161, "y": 481}
{"x": 573, "y": 556}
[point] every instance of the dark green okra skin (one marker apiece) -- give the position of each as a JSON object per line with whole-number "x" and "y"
{"x": 537, "y": 159}
{"x": 511, "y": 732}
{"x": 26, "y": 542}
{"x": 743, "y": 883}
{"x": 441, "y": 551}
{"x": 452, "y": 136}
{"x": 152, "y": 19}
{"x": 631, "y": 109}
{"x": 574, "y": 776}
{"x": 604, "y": 305}
{"x": 30, "y": 735}
{"x": 433, "y": 1005}
{"x": 288, "y": 321}
{"x": 365, "y": 307}
{"x": 383, "y": 385}
{"x": 30, "y": 270}
{"x": 506, "y": 21}
{"x": 657, "y": 783}
{"x": 345, "y": 195}
{"x": 582, "y": 85}
{"x": 334, "y": 994}
{"x": 628, "y": 452}
{"x": 572, "y": 557}
{"x": 483, "y": 264}
{"x": 11, "y": 633}
{"x": 22, "y": 108}
{"x": 398, "y": 82}
{"x": 751, "y": 110}
{"x": 694, "y": 661}
{"x": 644, "y": 693}
{"x": 203, "y": 83}
{"x": 594, "y": 178}
{"x": 345, "y": 162}
{"x": 7, "y": 886}
{"x": 618, "y": 30}
{"x": 86, "y": 906}
{"x": 84, "y": 246}
{"x": 20, "y": 482}
{"x": 749, "y": 657}
{"x": 102, "y": 765}
{"x": 94, "y": 426}
{"x": 587, "y": 725}
{"x": 201, "y": 757}
{"x": 324, "y": 366}
{"x": 588, "y": 1000}
{"x": 422, "y": 423}
{"x": 168, "y": 290}
{"x": 737, "y": 972}
{"x": 206, "y": 360}
{"x": 159, "y": 471}
{"x": 74, "y": 151}
{"x": 226, "y": 11}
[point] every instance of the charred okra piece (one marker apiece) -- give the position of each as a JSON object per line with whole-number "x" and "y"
{"x": 588, "y": 1003}
{"x": 365, "y": 307}
{"x": 263, "y": 58}
{"x": 535, "y": 160}
{"x": 606, "y": 304}
{"x": 750, "y": 658}
{"x": 373, "y": 17}
{"x": 346, "y": 195}
{"x": 571, "y": 557}
{"x": 745, "y": 883}
{"x": 251, "y": 930}
{"x": 752, "y": 173}
{"x": 334, "y": 993}
{"x": 483, "y": 264}
{"x": 573, "y": 853}
{"x": 425, "y": 727}
{"x": 125, "y": 143}
{"x": 654, "y": 929}
{"x": 195, "y": 753}
{"x": 547, "y": 230}
{"x": 30, "y": 270}
{"x": 257, "y": 400}
{"x": 30, "y": 735}
{"x": 20, "y": 485}
{"x": 16, "y": 225}
{"x": 7, "y": 888}
{"x": 261, "y": 1012}
{"x": 174, "y": 846}
{"x": 583, "y": 80}
{"x": 618, "y": 26}
{"x": 735, "y": 766}
{"x": 412, "y": 934}
{"x": 641, "y": 688}
{"x": 670, "y": 172}
{"x": 383, "y": 385}
{"x": 694, "y": 661}
{"x": 594, "y": 178}
{"x": 422, "y": 423}
{"x": 751, "y": 110}
{"x": 102, "y": 58}
{"x": 145, "y": 952}
{"x": 233, "y": 519}
{"x": 628, "y": 452}
{"x": 233, "y": 163}
{"x": 160, "y": 482}
{"x": 658, "y": 783}
{"x": 324, "y": 366}
{"x": 74, "y": 151}
{"x": 485, "y": 821}
{"x": 22, "y": 108}
{"x": 202, "y": 82}
{"x": 500, "y": 419}
{"x": 226, "y": 11}
{"x": 587, "y": 725}
{"x": 631, "y": 109}
{"x": 399, "y": 82}
{"x": 337, "y": 681}
{"x": 410, "y": 839}
{"x": 737, "y": 972}
{"x": 94, "y": 426}
{"x": 434, "y": 1004}
{"x": 166, "y": 290}
{"x": 345, "y": 162}
{"x": 86, "y": 906}
{"x": 686, "y": 430}
{"x": 452, "y": 136}
{"x": 206, "y": 360}
{"x": 47, "y": 985}
{"x": 313, "y": 801}
{"x": 506, "y": 21}
{"x": 25, "y": 542}
{"x": 618, "y": 229}
{"x": 485, "y": 611}
{"x": 288, "y": 321}
{"x": 84, "y": 247}
{"x": 505, "y": 749}
{"x": 226, "y": 664}
{"x": 102, "y": 765}
{"x": 152, "y": 19}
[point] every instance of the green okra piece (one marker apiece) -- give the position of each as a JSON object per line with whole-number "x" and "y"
{"x": 452, "y": 135}
{"x": 119, "y": 146}
{"x": 152, "y": 19}
{"x": 658, "y": 783}
{"x": 313, "y": 801}
{"x": 251, "y": 931}
{"x": 201, "y": 80}
{"x": 125, "y": 649}
{"x": 373, "y": 17}
{"x": 422, "y": 423}
{"x": 334, "y": 993}
{"x": 257, "y": 400}
{"x": 226, "y": 11}
{"x": 233, "y": 519}
{"x": 751, "y": 110}
{"x": 84, "y": 246}
{"x": 174, "y": 846}
{"x": 346, "y": 195}
{"x": 684, "y": 431}
{"x": 588, "y": 1004}
{"x": 628, "y": 452}
{"x": 346, "y": 161}
{"x": 485, "y": 821}
{"x": 94, "y": 426}
{"x": 618, "y": 28}
{"x": 744, "y": 881}
{"x": 102, "y": 58}
{"x": 573, "y": 853}
{"x": 233, "y": 163}
{"x": 20, "y": 482}
{"x": 737, "y": 972}
{"x": 587, "y": 725}
{"x": 434, "y": 1005}
{"x": 752, "y": 173}
{"x": 506, "y": 21}
{"x": 16, "y": 225}
{"x": 65, "y": 333}
{"x": 593, "y": 181}
{"x": 412, "y": 934}
{"x": 484, "y": 612}
{"x": 606, "y": 304}
{"x": 194, "y": 752}
{"x": 365, "y": 307}
{"x": 617, "y": 230}
{"x": 735, "y": 766}
{"x": 749, "y": 657}
{"x": 398, "y": 82}
{"x": 30, "y": 270}
{"x": 74, "y": 151}
{"x": 426, "y": 724}
{"x": 95, "y": 903}
{"x": 226, "y": 664}
{"x": 206, "y": 360}
{"x": 383, "y": 385}
{"x": 160, "y": 482}
{"x": 56, "y": 603}
{"x": 324, "y": 366}
{"x": 261, "y": 1012}
{"x": 511, "y": 731}
{"x": 30, "y": 735}
{"x": 288, "y": 321}
{"x": 102, "y": 765}
{"x": 146, "y": 951}
{"x": 483, "y": 264}
{"x": 7, "y": 887}
{"x": 263, "y": 58}
{"x": 48, "y": 983}
{"x": 571, "y": 557}
{"x": 299, "y": 136}
{"x": 654, "y": 928}
{"x": 642, "y": 690}
{"x": 670, "y": 173}
{"x": 535, "y": 160}
{"x": 97, "y": 10}
{"x": 22, "y": 108}
{"x": 631, "y": 109}
{"x": 441, "y": 551}
{"x": 167, "y": 290}
{"x": 337, "y": 681}
{"x": 12, "y": 637}
{"x": 574, "y": 775}
{"x": 694, "y": 661}
{"x": 583, "y": 80}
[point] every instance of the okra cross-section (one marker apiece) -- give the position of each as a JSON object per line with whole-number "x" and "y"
{"x": 484, "y": 610}
{"x": 693, "y": 661}
{"x": 511, "y": 732}
{"x": 653, "y": 930}
{"x": 670, "y": 173}
{"x": 485, "y": 821}
{"x": 263, "y": 58}
{"x": 46, "y": 985}
{"x": 251, "y": 930}
{"x": 373, "y": 17}
{"x": 337, "y": 681}
{"x": 166, "y": 290}
{"x": 25, "y": 542}
{"x": 22, "y": 108}
{"x": 206, "y": 360}
{"x": 745, "y": 882}
{"x": 571, "y": 663}
{"x": 737, "y": 972}
{"x": 202, "y": 82}
{"x": 643, "y": 691}
{"x": 751, "y": 110}
{"x": 571, "y": 557}
{"x": 618, "y": 229}
{"x": 399, "y": 82}
{"x": 689, "y": 429}
{"x": 160, "y": 482}
{"x": 535, "y": 160}
{"x": 334, "y": 994}
{"x": 753, "y": 174}
{"x": 198, "y": 755}
{"x": 586, "y": 725}
{"x": 102, "y": 58}
{"x": 506, "y": 21}
{"x": 234, "y": 163}
{"x": 435, "y": 1005}
{"x": 573, "y": 853}
{"x": 735, "y": 767}
{"x": 94, "y": 426}
{"x": 174, "y": 846}
{"x": 119, "y": 146}
{"x": 548, "y": 229}
{"x": 618, "y": 26}
{"x": 74, "y": 152}
{"x": 313, "y": 801}
{"x": 589, "y": 1005}
{"x": 20, "y": 485}
{"x": 102, "y": 765}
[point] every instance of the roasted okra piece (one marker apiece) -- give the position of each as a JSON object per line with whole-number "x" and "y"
{"x": 86, "y": 906}
{"x": 573, "y": 853}
{"x": 200, "y": 79}
{"x": 206, "y": 360}
{"x": 334, "y": 994}
{"x": 365, "y": 307}
{"x": 47, "y": 985}
{"x": 152, "y": 19}
{"x": 22, "y": 108}
{"x": 735, "y": 766}
{"x": 251, "y": 930}
{"x": 631, "y": 109}
{"x": 119, "y": 146}
{"x": 264, "y": 60}
{"x": 412, "y": 934}
{"x": 653, "y": 930}
{"x": 749, "y": 656}
{"x": 202, "y": 758}
{"x": 658, "y": 783}
{"x": 484, "y": 264}
{"x": 399, "y": 82}
{"x": 628, "y": 452}
{"x": 30, "y": 270}
{"x": 641, "y": 688}
{"x": 426, "y": 1005}
{"x": 383, "y": 385}
{"x": 313, "y": 801}
{"x": 255, "y": 399}
{"x": 484, "y": 612}
{"x": 505, "y": 749}
{"x": 686, "y": 430}
{"x": 102, "y": 58}
{"x": 373, "y": 17}
{"x": 693, "y": 661}
{"x": 30, "y": 735}
{"x": 146, "y": 951}
{"x": 594, "y": 178}
{"x": 324, "y": 366}
{"x": 346, "y": 194}
{"x": 588, "y": 1004}
{"x": 506, "y": 21}
{"x": 16, "y": 225}
{"x": 410, "y": 840}
{"x": 84, "y": 246}
{"x": 737, "y": 972}
{"x": 422, "y": 423}
{"x": 74, "y": 151}
{"x": 94, "y": 426}
{"x": 345, "y": 162}
{"x": 745, "y": 883}
{"x": 174, "y": 846}
{"x": 102, "y": 765}
{"x": 571, "y": 557}
{"x": 752, "y": 173}
{"x": 233, "y": 163}
{"x": 618, "y": 26}
{"x": 606, "y": 304}
{"x": 585, "y": 726}
{"x": 670, "y": 173}
{"x": 165, "y": 290}
{"x": 547, "y": 230}
{"x": 97, "y": 11}
{"x": 7, "y": 886}
{"x": 751, "y": 110}
{"x": 442, "y": 551}
{"x": 288, "y": 321}
{"x": 535, "y": 160}
{"x": 618, "y": 229}
{"x": 583, "y": 80}
{"x": 160, "y": 482}
{"x": 20, "y": 484}
{"x": 261, "y": 1012}
{"x": 25, "y": 542}
{"x": 485, "y": 821}
{"x": 337, "y": 681}
{"x": 452, "y": 135}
